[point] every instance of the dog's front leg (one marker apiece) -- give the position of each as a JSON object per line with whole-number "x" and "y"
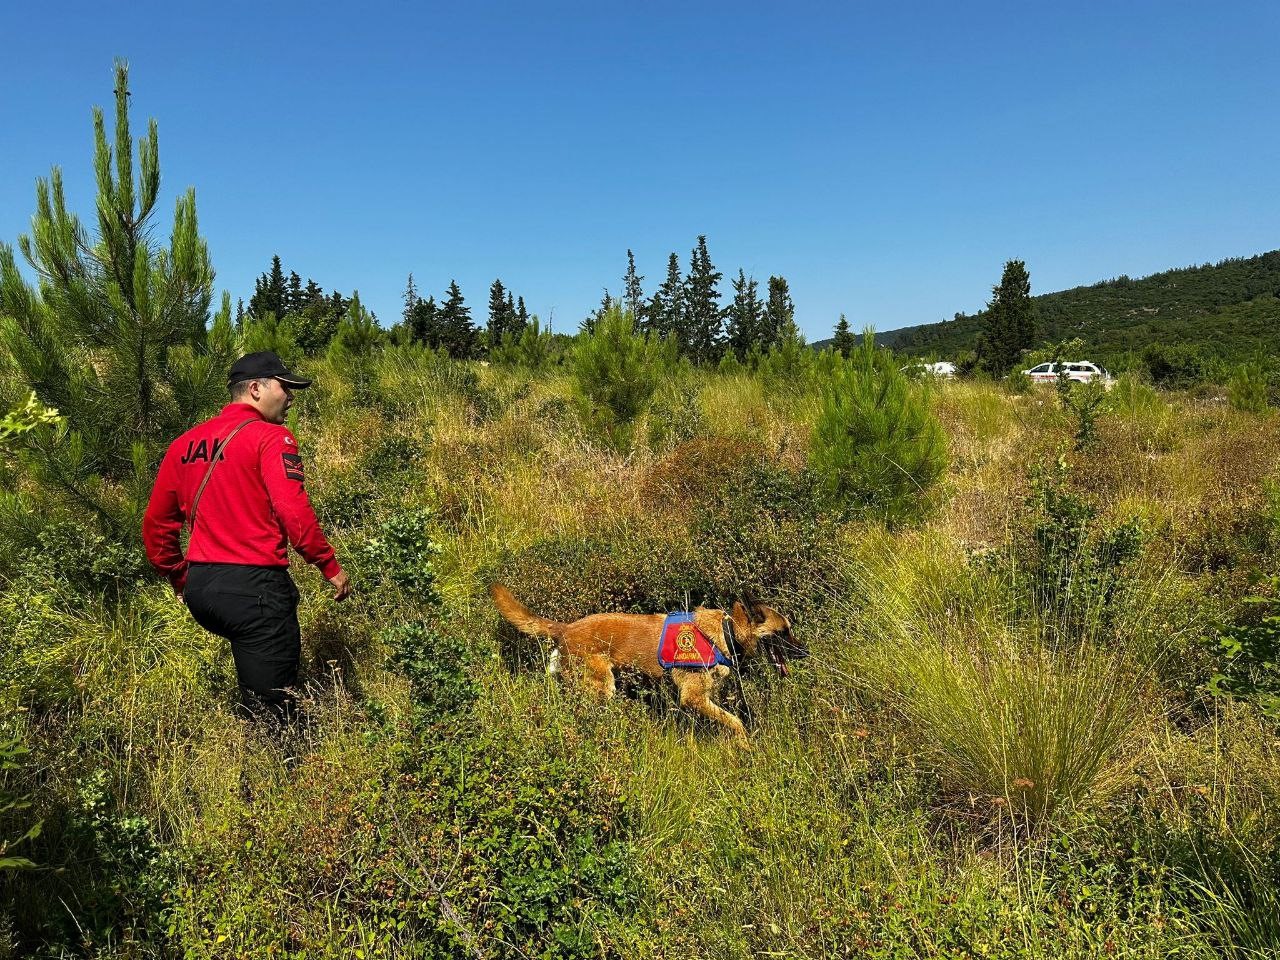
{"x": 695, "y": 693}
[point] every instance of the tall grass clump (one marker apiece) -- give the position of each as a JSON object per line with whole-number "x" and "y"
{"x": 1031, "y": 732}
{"x": 877, "y": 446}
{"x": 1009, "y": 721}
{"x": 616, "y": 370}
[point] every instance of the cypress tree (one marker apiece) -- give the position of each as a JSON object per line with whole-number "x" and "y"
{"x": 458, "y": 335}
{"x": 115, "y": 335}
{"x": 779, "y": 314}
{"x": 746, "y": 315}
{"x": 497, "y": 313}
{"x": 1009, "y": 323}
{"x": 843, "y": 342}
{"x": 410, "y": 302}
{"x": 704, "y": 320}
{"x": 632, "y": 292}
{"x": 293, "y": 298}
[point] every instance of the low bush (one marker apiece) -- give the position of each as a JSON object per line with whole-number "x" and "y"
{"x": 877, "y": 446}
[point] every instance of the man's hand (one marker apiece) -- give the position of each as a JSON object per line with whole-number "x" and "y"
{"x": 342, "y": 584}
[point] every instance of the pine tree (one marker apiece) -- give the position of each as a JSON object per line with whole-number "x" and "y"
{"x": 665, "y": 310}
{"x": 497, "y": 313}
{"x": 616, "y": 371}
{"x": 239, "y": 312}
{"x": 410, "y": 302}
{"x": 632, "y": 292}
{"x": 588, "y": 324}
{"x": 779, "y": 313}
{"x": 843, "y": 342}
{"x": 353, "y": 346}
{"x": 293, "y": 297}
{"x": 116, "y": 335}
{"x": 1009, "y": 325}
{"x": 876, "y": 444}
{"x": 522, "y": 315}
{"x": 703, "y": 317}
{"x": 312, "y": 292}
{"x": 746, "y": 316}
{"x": 458, "y": 335}
{"x": 424, "y": 323}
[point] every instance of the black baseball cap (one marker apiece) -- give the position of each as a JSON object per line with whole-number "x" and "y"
{"x": 265, "y": 365}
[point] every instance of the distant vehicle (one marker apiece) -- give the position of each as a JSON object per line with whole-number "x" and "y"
{"x": 1079, "y": 371}
{"x": 944, "y": 369}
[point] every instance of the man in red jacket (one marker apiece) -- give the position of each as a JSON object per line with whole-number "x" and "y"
{"x": 237, "y": 481}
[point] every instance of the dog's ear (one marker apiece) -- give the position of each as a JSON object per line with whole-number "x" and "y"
{"x": 740, "y": 612}
{"x": 751, "y": 611}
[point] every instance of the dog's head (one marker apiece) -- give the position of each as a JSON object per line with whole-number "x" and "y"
{"x": 761, "y": 631}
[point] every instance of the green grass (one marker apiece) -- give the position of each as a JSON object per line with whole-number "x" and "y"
{"x": 946, "y": 776}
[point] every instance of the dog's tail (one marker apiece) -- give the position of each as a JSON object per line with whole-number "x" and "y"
{"x": 521, "y": 617}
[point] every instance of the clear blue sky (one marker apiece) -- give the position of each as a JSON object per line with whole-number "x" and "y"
{"x": 886, "y": 159}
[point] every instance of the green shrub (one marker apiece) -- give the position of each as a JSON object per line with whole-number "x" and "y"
{"x": 400, "y": 554}
{"x": 877, "y": 446}
{"x": 532, "y": 348}
{"x": 72, "y": 556}
{"x": 1247, "y": 390}
{"x": 1073, "y": 567}
{"x": 473, "y": 844}
{"x": 1017, "y": 383}
{"x": 271, "y": 333}
{"x": 436, "y": 666}
{"x": 16, "y": 827}
{"x": 1248, "y": 653}
{"x": 616, "y": 371}
{"x": 1177, "y": 366}
{"x": 1084, "y": 401}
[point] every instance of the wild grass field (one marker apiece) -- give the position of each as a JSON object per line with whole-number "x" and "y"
{"x": 1039, "y": 718}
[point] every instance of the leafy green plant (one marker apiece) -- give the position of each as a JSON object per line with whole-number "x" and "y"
{"x": 1085, "y": 401}
{"x": 1248, "y": 654}
{"x": 401, "y": 553}
{"x": 1074, "y": 567}
{"x": 437, "y": 667}
{"x": 877, "y": 447}
{"x": 24, "y": 419}
{"x": 12, "y": 753}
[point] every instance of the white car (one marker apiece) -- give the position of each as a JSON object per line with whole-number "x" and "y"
{"x": 943, "y": 369}
{"x": 1080, "y": 371}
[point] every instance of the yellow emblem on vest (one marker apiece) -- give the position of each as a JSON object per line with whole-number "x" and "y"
{"x": 687, "y": 644}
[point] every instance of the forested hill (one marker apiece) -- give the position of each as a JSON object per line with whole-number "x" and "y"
{"x": 1228, "y": 309}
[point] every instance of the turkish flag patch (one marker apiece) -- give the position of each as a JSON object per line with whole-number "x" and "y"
{"x": 292, "y": 466}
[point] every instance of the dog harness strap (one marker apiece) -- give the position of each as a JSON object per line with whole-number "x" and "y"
{"x": 213, "y": 462}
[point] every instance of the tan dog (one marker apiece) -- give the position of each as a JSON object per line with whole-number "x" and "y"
{"x": 604, "y": 641}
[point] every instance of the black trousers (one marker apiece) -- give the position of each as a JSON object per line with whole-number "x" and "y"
{"x": 256, "y": 609}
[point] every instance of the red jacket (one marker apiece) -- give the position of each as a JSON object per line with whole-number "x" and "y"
{"x": 253, "y": 506}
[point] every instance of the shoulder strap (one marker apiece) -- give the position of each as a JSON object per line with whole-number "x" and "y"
{"x": 213, "y": 462}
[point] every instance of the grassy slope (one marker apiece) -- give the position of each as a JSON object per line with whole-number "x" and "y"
{"x": 1229, "y": 309}
{"x": 852, "y": 829}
